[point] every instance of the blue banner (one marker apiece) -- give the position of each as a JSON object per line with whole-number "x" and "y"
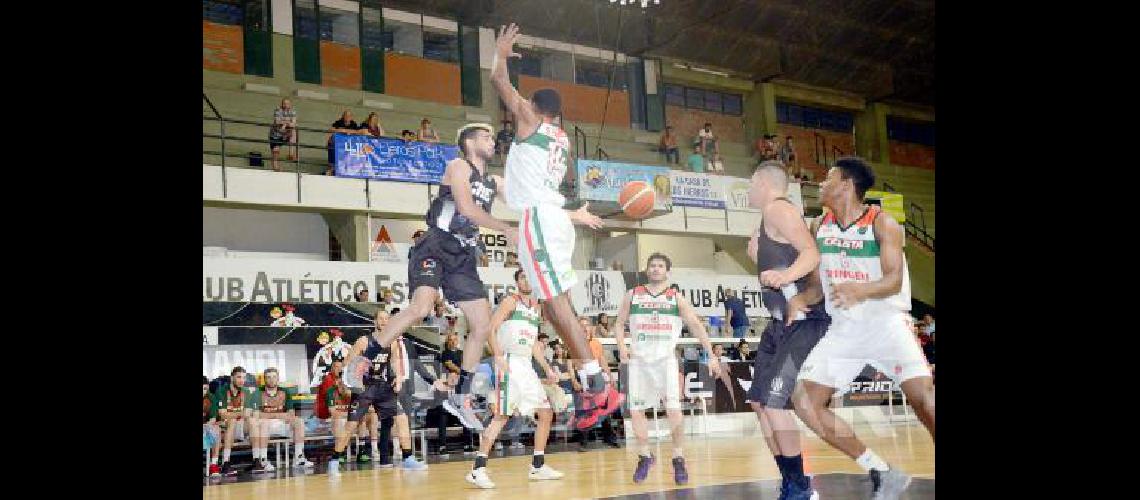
{"x": 365, "y": 157}
{"x": 602, "y": 181}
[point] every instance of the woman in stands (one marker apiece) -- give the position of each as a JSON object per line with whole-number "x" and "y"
{"x": 427, "y": 133}
{"x": 373, "y": 126}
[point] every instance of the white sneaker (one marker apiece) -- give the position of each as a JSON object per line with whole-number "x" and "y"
{"x": 301, "y": 461}
{"x": 334, "y": 467}
{"x": 479, "y": 478}
{"x": 269, "y": 467}
{"x": 544, "y": 473}
{"x": 460, "y": 405}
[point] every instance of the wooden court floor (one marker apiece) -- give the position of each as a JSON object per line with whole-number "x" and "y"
{"x": 714, "y": 460}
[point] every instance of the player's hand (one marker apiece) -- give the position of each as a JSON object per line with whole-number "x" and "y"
{"x": 846, "y": 295}
{"x": 773, "y": 278}
{"x": 583, "y": 216}
{"x": 505, "y": 42}
{"x": 796, "y": 305}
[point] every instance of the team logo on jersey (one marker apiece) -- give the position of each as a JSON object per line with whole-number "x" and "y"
{"x": 599, "y": 288}
{"x": 777, "y": 385}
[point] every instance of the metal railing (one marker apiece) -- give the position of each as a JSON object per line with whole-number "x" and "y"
{"x": 601, "y": 154}
{"x": 915, "y": 220}
{"x": 579, "y": 144}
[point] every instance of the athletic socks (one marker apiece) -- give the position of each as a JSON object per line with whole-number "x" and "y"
{"x": 299, "y": 451}
{"x": 215, "y": 460}
{"x": 226, "y": 455}
{"x": 480, "y": 460}
{"x": 538, "y": 460}
{"x": 869, "y": 460}
{"x": 376, "y": 447}
{"x": 794, "y": 468}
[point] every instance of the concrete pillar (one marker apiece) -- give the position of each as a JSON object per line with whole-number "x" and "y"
{"x": 760, "y": 112}
{"x": 871, "y": 141}
{"x": 351, "y": 230}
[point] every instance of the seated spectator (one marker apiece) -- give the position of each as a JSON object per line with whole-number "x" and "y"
{"x": 211, "y": 433}
{"x": 235, "y": 415}
{"x": 716, "y": 165}
{"x": 928, "y": 323}
{"x": 697, "y": 161}
{"x": 277, "y": 418}
{"x": 707, "y": 140}
{"x": 766, "y": 148}
{"x": 427, "y": 133}
{"x": 283, "y": 132}
{"x": 408, "y": 135}
{"x": 504, "y": 138}
{"x": 718, "y": 351}
{"x": 668, "y": 145}
{"x": 372, "y": 125}
{"x": 345, "y": 125}
{"x": 743, "y": 352}
{"x": 512, "y": 260}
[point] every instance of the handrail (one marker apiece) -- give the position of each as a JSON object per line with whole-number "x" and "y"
{"x": 578, "y": 150}
{"x": 887, "y": 186}
{"x": 816, "y": 145}
{"x": 222, "y": 130}
{"x": 601, "y": 153}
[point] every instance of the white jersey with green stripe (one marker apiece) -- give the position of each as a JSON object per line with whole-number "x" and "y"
{"x": 852, "y": 254}
{"x": 654, "y": 323}
{"x": 519, "y": 332}
{"x": 535, "y": 168}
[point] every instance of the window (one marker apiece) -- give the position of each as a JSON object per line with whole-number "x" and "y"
{"x": 305, "y": 19}
{"x": 694, "y": 98}
{"x": 596, "y": 73}
{"x": 441, "y": 46}
{"x": 222, "y": 12}
{"x": 733, "y": 104}
{"x": 340, "y": 26}
{"x": 674, "y": 95}
{"x": 910, "y": 131}
{"x": 810, "y": 117}
{"x": 704, "y": 99}
{"x": 713, "y": 101}
{"x": 403, "y": 38}
{"x": 530, "y": 63}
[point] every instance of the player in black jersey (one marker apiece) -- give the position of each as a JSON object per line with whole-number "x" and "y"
{"x": 786, "y": 259}
{"x": 381, "y": 383}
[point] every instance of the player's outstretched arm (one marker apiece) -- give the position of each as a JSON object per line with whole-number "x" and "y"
{"x": 583, "y": 217}
{"x": 618, "y": 327}
{"x": 500, "y": 79}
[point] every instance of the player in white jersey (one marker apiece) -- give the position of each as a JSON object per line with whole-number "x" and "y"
{"x": 519, "y": 390}
{"x": 536, "y": 164}
{"x": 864, "y": 278}
{"x": 655, "y": 312}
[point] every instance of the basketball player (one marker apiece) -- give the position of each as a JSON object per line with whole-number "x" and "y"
{"x": 536, "y": 165}
{"x": 786, "y": 258}
{"x": 381, "y": 382}
{"x": 235, "y": 414}
{"x": 276, "y": 418}
{"x": 447, "y": 256}
{"x": 655, "y": 312}
{"x": 519, "y": 390}
{"x": 864, "y": 279}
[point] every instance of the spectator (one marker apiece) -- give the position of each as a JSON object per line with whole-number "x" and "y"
{"x": 427, "y": 133}
{"x": 277, "y": 418}
{"x": 504, "y": 138}
{"x": 345, "y": 125}
{"x": 716, "y": 165}
{"x": 928, "y": 323}
{"x": 788, "y": 156}
{"x": 235, "y": 414}
{"x": 718, "y": 351}
{"x": 707, "y": 140}
{"x": 512, "y": 260}
{"x": 696, "y": 161}
{"x": 408, "y": 135}
{"x": 283, "y": 132}
{"x": 362, "y": 295}
{"x": 372, "y": 125}
{"x": 737, "y": 316}
{"x": 451, "y": 357}
{"x": 450, "y": 360}
{"x": 668, "y": 145}
{"x": 437, "y": 318}
{"x": 211, "y": 433}
{"x": 604, "y": 324}
{"x": 743, "y": 353}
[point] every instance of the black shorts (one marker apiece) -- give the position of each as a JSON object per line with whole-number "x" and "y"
{"x": 782, "y": 351}
{"x": 440, "y": 261}
{"x": 276, "y": 142}
{"x": 379, "y": 396}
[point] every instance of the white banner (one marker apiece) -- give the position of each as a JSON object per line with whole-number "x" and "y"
{"x": 736, "y": 194}
{"x": 276, "y": 280}
{"x": 392, "y": 238}
{"x": 209, "y": 335}
{"x": 706, "y": 291}
{"x": 288, "y": 359}
{"x": 691, "y": 189}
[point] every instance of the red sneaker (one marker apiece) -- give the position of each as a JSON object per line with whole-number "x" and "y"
{"x": 589, "y": 419}
{"x": 215, "y": 471}
{"x": 612, "y": 402}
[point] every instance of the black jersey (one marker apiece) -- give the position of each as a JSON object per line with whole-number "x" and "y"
{"x": 443, "y": 213}
{"x": 773, "y": 255}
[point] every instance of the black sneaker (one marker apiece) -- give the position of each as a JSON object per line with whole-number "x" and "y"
{"x": 258, "y": 466}
{"x": 442, "y": 450}
{"x": 228, "y": 469}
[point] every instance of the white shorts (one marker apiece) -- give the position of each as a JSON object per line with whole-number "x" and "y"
{"x": 521, "y": 391}
{"x": 238, "y": 428}
{"x": 653, "y": 381}
{"x": 546, "y": 246}
{"x": 277, "y": 428}
{"x": 885, "y": 343}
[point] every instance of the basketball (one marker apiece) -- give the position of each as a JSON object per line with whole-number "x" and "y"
{"x": 636, "y": 199}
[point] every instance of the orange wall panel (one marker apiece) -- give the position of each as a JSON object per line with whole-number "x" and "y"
{"x": 340, "y": 65}
{"x": 804, "y": 140}
{"x": 583, "y": 103}
{"x": 687, "y": 122}
{"x": 912, "y": 155}
{"x": 222, "y": 47}
{"x": 424, "y": 79}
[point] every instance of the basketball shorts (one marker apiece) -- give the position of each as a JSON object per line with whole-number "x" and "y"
{"x": 520, "y": 392}
{"x": 546, "y": 245}
{"x": 884, "y": 342}
{"x": 439, "y": 260}
{"x": 779, "y": 356}
{"x": 278, "y": 428}
{"x": 238, "y": 428}
{"x": 651, "y": 382}
{"x": 379, "y": 396}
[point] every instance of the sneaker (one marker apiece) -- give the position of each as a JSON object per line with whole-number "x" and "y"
{"x": 587, "y": 419}
{"x": 680, "y": 475}
{"x": 301, "y": 461}
{"x": 889, "y": 484}
{"x": 257, "y": 467}
{"x": 268, "y": 466}
{"x": 460, "y": 406}
{"x": 544, "y": 473}
{"x": 613, "y": 401}
{"x": 334, "y": 466}
{"x": 410, "y": 463}
{"x": 363, "y": 458}
{"x": 215, "y": 471}
{"x": 228, "y": 469}
{"x": 801, "y": 491}
{"x": 643, "y": 465}
{"x": 479, "y": 478}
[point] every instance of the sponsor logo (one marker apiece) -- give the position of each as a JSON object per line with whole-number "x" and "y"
{"x": 833, "y": 241}
{"x": 599, "y": 288}
{"x": 777, "y": 385}
{"x": 428, "y": 264}
{"x": 871, "y": 386}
